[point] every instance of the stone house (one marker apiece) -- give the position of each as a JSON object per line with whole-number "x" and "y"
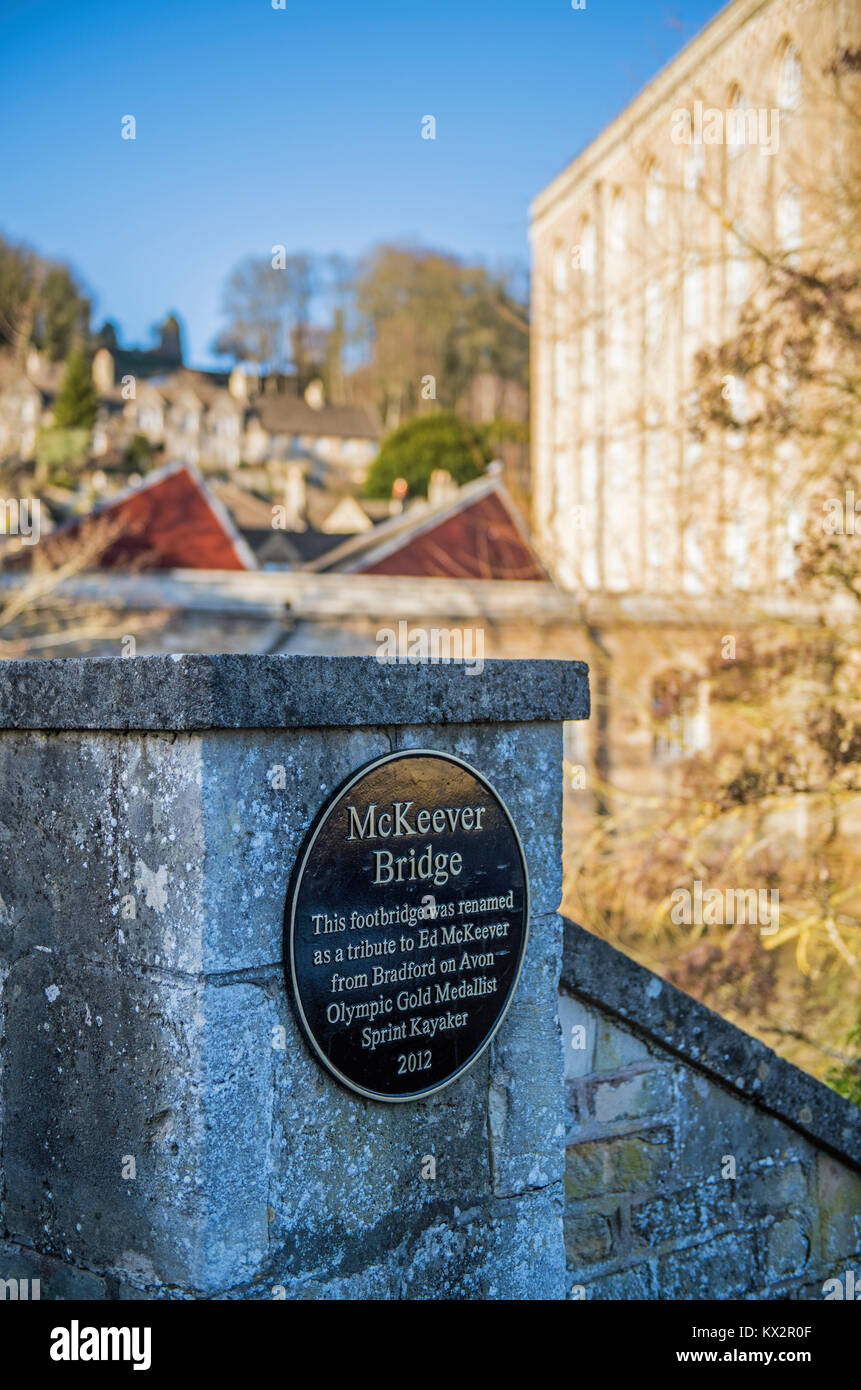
{"x": 213, "y": 420}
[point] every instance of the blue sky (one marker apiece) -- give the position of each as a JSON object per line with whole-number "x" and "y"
{"x": 300, "y": 127}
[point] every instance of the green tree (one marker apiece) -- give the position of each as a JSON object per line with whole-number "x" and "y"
{"x": 433, "y": 441}
{"x": 63, "y": 313}
{"x": 18, "y": 279}
{"x": 60, "y": 454}
{"x": 430, "y": 318}
{"x": 266, "y": 304}
{"x": 847, "y": 1077}
{"x": 138, "y": 455}
{"x": 77, "y": 404}
{"x": 41, "y": 304}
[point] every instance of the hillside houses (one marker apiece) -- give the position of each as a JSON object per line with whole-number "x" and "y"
{"x": 216, "y": 421}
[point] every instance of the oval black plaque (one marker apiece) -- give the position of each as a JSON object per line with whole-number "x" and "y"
{"x": 406, "y": 924}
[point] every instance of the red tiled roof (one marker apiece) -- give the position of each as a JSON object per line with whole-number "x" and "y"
{"x": 478, "y": 541}
{"x": 172, "y": 522}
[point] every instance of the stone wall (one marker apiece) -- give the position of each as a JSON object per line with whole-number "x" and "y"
{"x": 698, "y": 1164}
{"x": 164, "y": 1129}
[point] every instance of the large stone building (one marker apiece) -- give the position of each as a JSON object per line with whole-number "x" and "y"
{"x": 645, "y": 249}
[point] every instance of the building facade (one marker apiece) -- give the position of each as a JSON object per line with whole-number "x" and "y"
{"x": 645, "y": 250}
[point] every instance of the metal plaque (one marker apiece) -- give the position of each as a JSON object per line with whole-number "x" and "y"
{"x": 406, "y": 924}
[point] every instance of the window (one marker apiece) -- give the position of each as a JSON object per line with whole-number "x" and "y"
{"x": 589, "y": 501}
{"x": 656, "y": 551}
{"x": 789, "y": 223}
{"x": 737, "y": 552}
{"x": 560, "y": 371}
{"x": 560, "y": 270}
{"x": 694, "y": 161}
{"x": 587, "y": 247}
{"x": 654, "y": 314}
{"x": 693, "y": 578}
{"x": 564, "y": 469}
{"x": 734, "y": 392}
{"x": 787, "y": 558}
{"x": 587, "y": 358}
{"x": 619, "y": 225}
{"x": 617, "y": 339}
{"x": 738, "y": 269}
{"x": 789, "y": 80}
{"x": 654, "y": 197}
{"x": 680, "y": 710}
{"x": 619, "y": 460}
{"x": 588, "y": 473}
{"x": 736, "y": 124}
{"x": 694, "y": 293}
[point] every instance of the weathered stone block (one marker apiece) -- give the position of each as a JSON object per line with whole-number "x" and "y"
{"x": 670, "y": 1220}
{"x": 590, "y": 1236}
{"x": 723, "y": 1268}
{"x": 616, "y": 1047}
{"x": 625, "y": 1097}
{"x": 253, "y": 828}
{"x": 787, "y": 1248}
{"x": 139, "y": 1114}
{"x": 635, "y": 1283}
{"x": 839, "y": 1207}
{"x": 714, "y": 1123}
{"x": 579, "y": 1025}
{"x": 55, "y": 1280}
{"x": 627, "y": 1163}
{"x": 526, "y": 1106}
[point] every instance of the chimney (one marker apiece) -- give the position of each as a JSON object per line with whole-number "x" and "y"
{"x": 239, "y": 385}
{"x": 315, "y": 395}
{"x": 103, "y": 372}
{"x": 441, "y": 487}
{"x": 295, "y": 499}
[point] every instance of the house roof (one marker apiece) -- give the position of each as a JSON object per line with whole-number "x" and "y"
{"x": 293, "y": 549}
{"x": 478, "y": 534}
{"x": 249, "y": 511}
{"x": 170, "y": 521}
{"x": 286, "y": 413}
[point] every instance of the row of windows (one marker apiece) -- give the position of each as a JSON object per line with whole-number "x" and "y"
{"x": 694, "y": 286}
{"x": 735, "y": 544}
{"x": 582, "y": 256}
